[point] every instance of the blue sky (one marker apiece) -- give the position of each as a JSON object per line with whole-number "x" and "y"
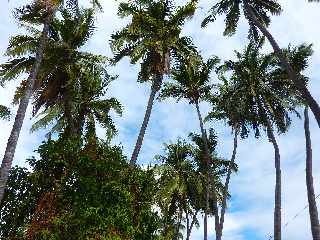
{"x": 250, "y": 215}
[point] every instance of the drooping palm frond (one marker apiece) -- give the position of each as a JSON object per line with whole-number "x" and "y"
{"x": 191, "y": 77}
{"x": 152, "y": 35}
{"x": 232, "y": 10}
{"x": 261, "y": 89}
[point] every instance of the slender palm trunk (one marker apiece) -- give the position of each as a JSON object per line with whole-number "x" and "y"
{"x": 154, "y": 89}
{"x": 206, "y": 149}
{"x": 208, "y": 161}
{"x": 313, "y": 211}
{"x": 226, "y": 186}
{"x": 179, "y": 222}
{"x": 189, "y": 229}
{"x": 277, "y": 197}
{"x": 285, "y": 64}
{"x": 24, "y": 101}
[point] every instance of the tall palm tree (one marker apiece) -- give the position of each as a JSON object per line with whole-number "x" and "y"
{"x": 313, "y": 210}
{"x": 192, "y": 82}
{"x": 218, "y": 168}
{"x": 48, "y": 9}
{"x": 152, "y": 36}
{"x": 224, "y": 107}
{"x": 22, "y": 49}
{"x": 71, "y": 93}
{"x": 180, "y": 188}
{"x": 268, "y": 98}
{"x": 258, "y": 15}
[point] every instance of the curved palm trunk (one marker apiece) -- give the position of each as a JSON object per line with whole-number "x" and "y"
{"x": 285, "y": 64}
{"x": 226, "y": 186}
{"x": 24, "y": 101}
{"x": 277, "y": 197}
{"x": 154, "y": 89}
{"x": 313, "y": 211}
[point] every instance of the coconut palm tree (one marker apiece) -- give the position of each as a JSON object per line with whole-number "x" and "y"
{"x": 152, "y": 36}
{"x": 22, "y": 50}
{"x": 268, "y": 96}
{"x": 225, "y": 108}
{"x": 218, "y": 168}
{"x": 48, "y": 9}
{"x": 88, "y": 106}
{"x": 71, "y": 93}
{"x": 258, "y": 15}
{"x": 192, "y": 82}
{"x": 313, "y": 210}
{"x": 180, "y": 189}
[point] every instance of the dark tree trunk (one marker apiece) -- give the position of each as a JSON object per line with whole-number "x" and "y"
{"x": 154, "y": 89}
{"x": 226, "y": 186}
{"x": 313, "y": 211}
{"x": 24, "y": 101}
{"x": 189, "y": 229}
{"x": 207, "y": 160}
{"x": 277, "y": 197}
{"x": 285, "y": 64}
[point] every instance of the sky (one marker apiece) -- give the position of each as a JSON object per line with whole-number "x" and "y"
{"x": 250, "y": 213}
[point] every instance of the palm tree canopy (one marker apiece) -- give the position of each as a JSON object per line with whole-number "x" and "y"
{"x": 261, "y": 88}
{"x": 152, "y": 35}
{"x": 191, "y": 77}
{"x": 66, "y": 73}
{"x": 179, "y": 183}
{"x": 232, "y": 10}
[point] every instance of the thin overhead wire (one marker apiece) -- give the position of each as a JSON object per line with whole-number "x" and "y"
{"x": 270, "y": 237}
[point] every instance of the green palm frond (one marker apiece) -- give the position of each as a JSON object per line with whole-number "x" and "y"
{"x": 191, "y": 77}
{"x": 152, "y": 35}
{"x": 259, "y": 89}
{"x": 4, "y": 112}
{"x": 232, "y": 10}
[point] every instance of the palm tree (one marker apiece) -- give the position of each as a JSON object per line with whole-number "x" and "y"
{"x": 179, "y": 189}
{"x": 152, "y": 36}
{"x": 192, "y": 82}
{"x": 218, "y": 168}
{"x": 224, "y": 108}
{"x": 71, "y": 93}
{"x": 267, "y": 96}
{"x": 257, "y": 13}
{"x": 49, "y": 8}
{"x": 21, "y": 50}
{"x": 313, "y": 210}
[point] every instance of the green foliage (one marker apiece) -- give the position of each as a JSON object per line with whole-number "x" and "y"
{"x": 182, "y": 182}
{"x": 4, "y": 112}
{"x": 191, "y": 77}
{"x": 232, "y": 10}
{"x": 152, "y": 35}
{"x": 259, "y": 89}
{"x": 92, "y": 196}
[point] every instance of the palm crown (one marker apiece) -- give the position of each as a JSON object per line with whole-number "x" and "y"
{"x": 191, "y": 77}
{"x": 66, "y": 74}
{"x": 152, "y": 35}
{"x": 232, "y": 10}
{"x": 261, "y": 88}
